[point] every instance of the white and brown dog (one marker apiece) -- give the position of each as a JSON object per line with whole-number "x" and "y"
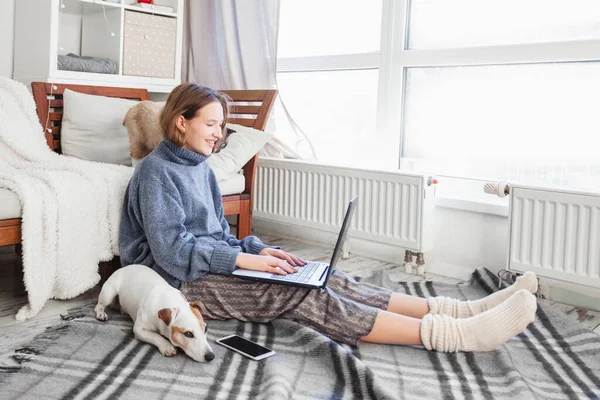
{"x": 158, "y": 311}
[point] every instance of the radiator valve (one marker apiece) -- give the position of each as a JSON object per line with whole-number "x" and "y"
{"x": 500, "y": 189}
{"x": 432, "y": 180}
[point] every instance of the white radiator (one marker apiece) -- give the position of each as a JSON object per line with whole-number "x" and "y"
{"x": 393, "y": 207}
{"x": 555, "y": 234}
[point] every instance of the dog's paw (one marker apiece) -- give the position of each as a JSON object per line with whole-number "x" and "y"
{"x": 101, "y": 314}
{"x": 168, "y": 351}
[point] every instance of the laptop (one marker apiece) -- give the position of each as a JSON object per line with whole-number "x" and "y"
{"x": 313, "y": 275}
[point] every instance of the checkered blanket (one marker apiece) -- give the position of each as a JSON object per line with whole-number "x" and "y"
{"x": 555, "y": 358}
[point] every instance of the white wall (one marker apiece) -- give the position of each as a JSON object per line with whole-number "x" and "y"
{"x": 69, "y": 34}
{"x": 466, "y": 239}
{"x": 7, "y": 24}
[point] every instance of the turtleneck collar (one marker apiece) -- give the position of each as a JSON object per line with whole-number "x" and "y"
{"x": 171, "y": 152}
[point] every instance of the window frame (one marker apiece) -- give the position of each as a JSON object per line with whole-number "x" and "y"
{"x": 395, "y": 58}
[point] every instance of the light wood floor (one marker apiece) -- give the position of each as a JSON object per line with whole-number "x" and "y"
{"x": 14, "y": 333}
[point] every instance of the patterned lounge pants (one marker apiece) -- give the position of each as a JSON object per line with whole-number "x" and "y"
{"x": 345, "y": 311}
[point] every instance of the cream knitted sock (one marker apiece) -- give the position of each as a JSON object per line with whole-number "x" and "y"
{"x": 483, "y": 332}
{"x": 465, "y": 309}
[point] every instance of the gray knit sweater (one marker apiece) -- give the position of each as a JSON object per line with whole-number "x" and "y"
{"x": 173, "y": 218}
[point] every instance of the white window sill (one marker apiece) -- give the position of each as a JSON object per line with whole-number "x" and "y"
{"x": 477, "y": 206}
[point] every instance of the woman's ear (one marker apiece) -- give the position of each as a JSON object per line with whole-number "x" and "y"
{"x": 180, "y": 123}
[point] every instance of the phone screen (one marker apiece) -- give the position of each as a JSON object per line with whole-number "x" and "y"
{"x": 245, "y": 346}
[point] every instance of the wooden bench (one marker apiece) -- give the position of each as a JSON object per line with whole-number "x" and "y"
{"x": 49, "y": 104}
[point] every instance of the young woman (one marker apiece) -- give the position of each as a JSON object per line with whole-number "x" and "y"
{"x": 173, "y": 222}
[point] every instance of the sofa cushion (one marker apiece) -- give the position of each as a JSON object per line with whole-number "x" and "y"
{"x": 92, "y": 128}
{"x": 10, "y": 205}
{"x": 241, "y": 147}
{"x": 233, "y": 185}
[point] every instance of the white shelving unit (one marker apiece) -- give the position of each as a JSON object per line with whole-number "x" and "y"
{"x": 145, "y": 43}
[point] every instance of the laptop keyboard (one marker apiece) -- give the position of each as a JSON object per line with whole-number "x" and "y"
{"x": 303, "y": 275}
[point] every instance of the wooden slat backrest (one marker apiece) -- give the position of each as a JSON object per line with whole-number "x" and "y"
{"x": 48, "y": 97}
{"x": 250, "y": 108}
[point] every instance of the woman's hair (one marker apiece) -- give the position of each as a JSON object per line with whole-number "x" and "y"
{"x": 186, "y": 99}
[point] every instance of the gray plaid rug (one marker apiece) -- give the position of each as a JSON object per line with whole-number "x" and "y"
{"x": 554, "y": 358}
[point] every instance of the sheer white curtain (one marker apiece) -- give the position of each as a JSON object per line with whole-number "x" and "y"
{"x": 231, "y": 44}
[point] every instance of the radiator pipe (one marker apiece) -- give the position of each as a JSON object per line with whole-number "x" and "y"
{"x": 420, "y": 262}
{"x": 408, "y": 255}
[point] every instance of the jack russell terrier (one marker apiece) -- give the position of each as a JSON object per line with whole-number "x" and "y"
{"x": 158, "y": 311}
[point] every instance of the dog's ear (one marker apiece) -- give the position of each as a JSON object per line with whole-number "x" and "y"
{"x": 199, "y": 306}
{"x": 167, "y": 315}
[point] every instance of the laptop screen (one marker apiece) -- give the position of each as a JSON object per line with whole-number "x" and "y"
{"x": 341, "y": 237}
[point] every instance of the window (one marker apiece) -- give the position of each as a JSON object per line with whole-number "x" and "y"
{"x": 310, "y": 28}
{"x": 534, "y": 123}
{"x": 442, "y": 24}
{"x": 502, "y": 90}
{"x": 340, "y": 116}
{"x": 328, "y": 75}
{"x": 496, "y": 90}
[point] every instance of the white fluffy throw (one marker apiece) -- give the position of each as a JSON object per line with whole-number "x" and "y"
{"x": 71, "y": 207}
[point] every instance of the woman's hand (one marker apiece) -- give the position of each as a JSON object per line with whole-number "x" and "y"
{"x": 290, "y": 258}
{"x": 264, "y": 263}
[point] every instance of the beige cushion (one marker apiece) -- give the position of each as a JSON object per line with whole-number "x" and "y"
{"x": 92, "y": 128}
{"x": 10, "y": 206}
{"x": 233, "y": 185}
{"x": 241, "y": 147}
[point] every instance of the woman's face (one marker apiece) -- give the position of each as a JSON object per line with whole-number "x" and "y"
{"x": 202, "y": 131}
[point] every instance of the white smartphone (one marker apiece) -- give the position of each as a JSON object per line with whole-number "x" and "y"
{"x": 245, "y": 347}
